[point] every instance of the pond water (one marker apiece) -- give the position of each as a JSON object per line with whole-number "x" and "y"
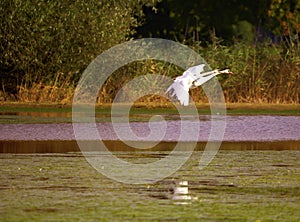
{"x": 236, "y": 186}
{"x": 254, "y": 177}
{"x": 241, "y": 133}
{"x": 238, "y": 128}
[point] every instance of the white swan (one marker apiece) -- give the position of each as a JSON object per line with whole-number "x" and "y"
{"x": 191, "y": 78}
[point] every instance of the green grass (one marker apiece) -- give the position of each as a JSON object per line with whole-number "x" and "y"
{"x": 240, "y": 111}
{"x": 240, "y": 108}
{"x": 43, "y": 113}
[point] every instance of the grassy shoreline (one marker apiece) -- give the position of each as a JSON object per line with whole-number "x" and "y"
{"x": 203, "y": 108}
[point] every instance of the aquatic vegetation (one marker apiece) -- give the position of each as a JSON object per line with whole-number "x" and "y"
{"x": 237, "y": 185}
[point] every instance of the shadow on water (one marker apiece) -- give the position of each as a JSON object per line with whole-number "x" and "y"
{"x": 61, "y": 146}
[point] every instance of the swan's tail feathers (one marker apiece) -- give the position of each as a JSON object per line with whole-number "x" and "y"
{"x": 177, "y": 91}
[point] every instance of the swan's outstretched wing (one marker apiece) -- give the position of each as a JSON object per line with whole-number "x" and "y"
{"x": 204, "y": 77}
{"x": 177, "y": 90}
{"x": 182, "y": 84}
{"x": 194, "y": 71}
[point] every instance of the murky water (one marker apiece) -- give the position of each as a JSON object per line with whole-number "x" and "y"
{"x": 241, "y": 133}
{"x": 236, "y": 186}
{"x": 54, "y": 182}
{"x": 238, "y": 128}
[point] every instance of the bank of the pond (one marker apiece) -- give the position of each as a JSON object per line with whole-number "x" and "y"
{"x": 150, "y": 108}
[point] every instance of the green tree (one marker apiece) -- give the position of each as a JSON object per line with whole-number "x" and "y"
{"x": 42, "y": 39}
{"x": 286, "y": 14}
{"x": 189, "y": 20}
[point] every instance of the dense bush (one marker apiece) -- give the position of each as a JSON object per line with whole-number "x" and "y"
{"x": 45, "y": 42}
{"x": 268, "y": 73}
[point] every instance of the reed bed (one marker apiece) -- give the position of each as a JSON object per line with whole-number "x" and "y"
{"x": 263, "y": 73}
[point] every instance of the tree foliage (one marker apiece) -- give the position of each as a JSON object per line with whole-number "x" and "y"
{"x": 39, "y": 39}
{"x": 286, "y": 15}
{"x": 232, "y": 20}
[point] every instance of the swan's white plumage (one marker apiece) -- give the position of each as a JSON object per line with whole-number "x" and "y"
{"x": 191, "y": 78}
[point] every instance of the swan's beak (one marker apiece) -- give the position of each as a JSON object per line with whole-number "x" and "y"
{"x": 225, "y": 71}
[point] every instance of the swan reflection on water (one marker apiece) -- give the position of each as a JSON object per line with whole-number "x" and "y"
{"x": 181, "y": 192}
{"x": 175, "y": 190}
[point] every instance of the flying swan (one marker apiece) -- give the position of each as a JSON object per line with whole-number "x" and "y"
{"x": 191, "y": 78}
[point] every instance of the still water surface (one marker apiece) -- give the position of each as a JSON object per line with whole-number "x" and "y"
{"x": 236, "y": 186}
{"x": 238, "y": 128}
